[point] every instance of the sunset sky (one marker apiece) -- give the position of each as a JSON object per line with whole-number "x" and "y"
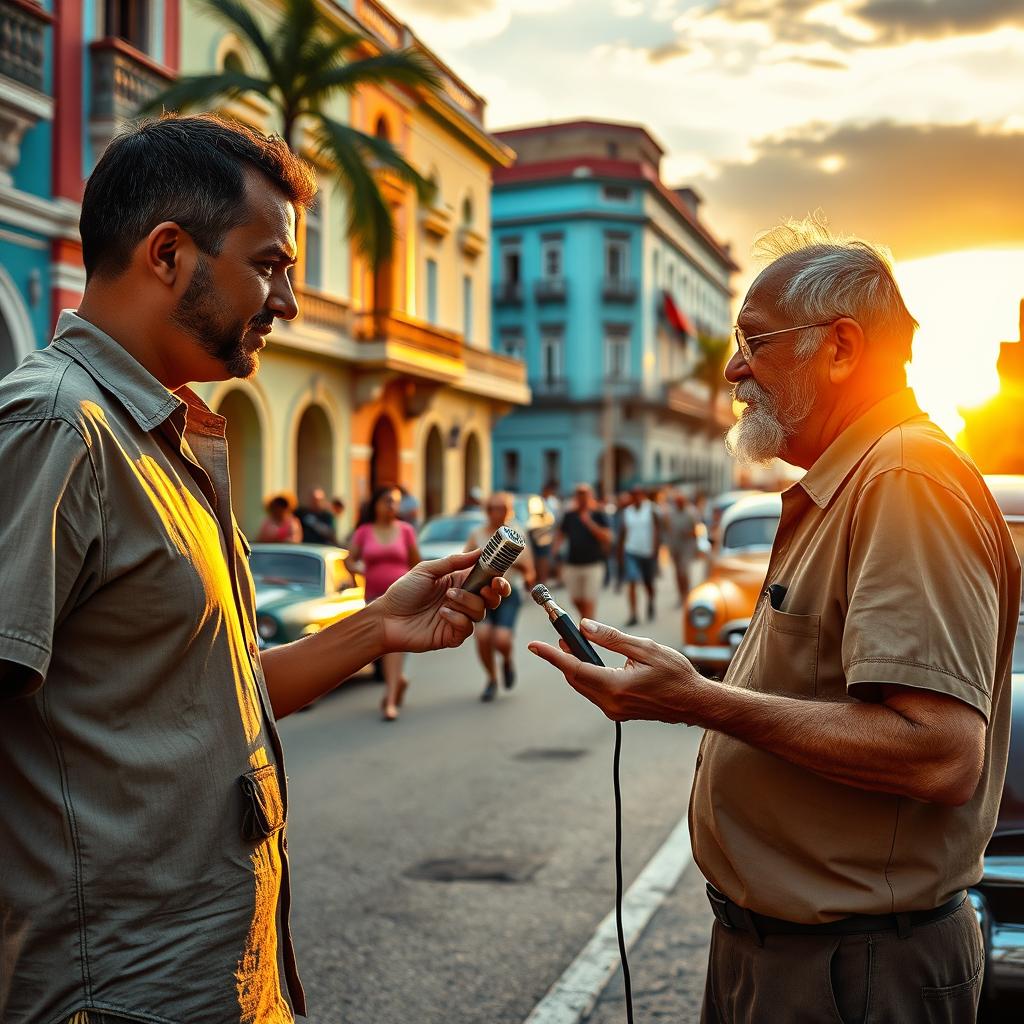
{"x": 900, "y": 119}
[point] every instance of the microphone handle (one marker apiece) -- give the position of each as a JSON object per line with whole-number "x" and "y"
{"x": 576, "y": 641}
{"x": 478, "y": 578}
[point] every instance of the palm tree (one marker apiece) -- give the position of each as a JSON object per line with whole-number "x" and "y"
{"x": 303, "y": 64}
{"x": 714, "y": 353}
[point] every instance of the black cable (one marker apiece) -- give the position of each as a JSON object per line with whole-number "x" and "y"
{"x": 582, "y": 649}
{"x": 618, "y": 872}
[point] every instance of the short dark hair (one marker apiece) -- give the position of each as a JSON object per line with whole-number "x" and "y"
{"x": 189, "y": 170}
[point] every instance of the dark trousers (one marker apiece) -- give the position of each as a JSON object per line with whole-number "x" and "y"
{"x": 933, "y": 976}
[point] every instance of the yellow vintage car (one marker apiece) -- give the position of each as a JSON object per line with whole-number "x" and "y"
{"x": 718, "y": 611}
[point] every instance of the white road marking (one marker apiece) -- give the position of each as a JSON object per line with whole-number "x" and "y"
{"x": 573, "y": 996}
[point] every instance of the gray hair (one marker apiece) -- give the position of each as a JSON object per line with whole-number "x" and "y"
{"x": 836, "y": 276}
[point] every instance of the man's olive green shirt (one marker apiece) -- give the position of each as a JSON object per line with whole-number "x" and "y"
{"x": 128, "y": 879}
{"x": 898, "y": 568}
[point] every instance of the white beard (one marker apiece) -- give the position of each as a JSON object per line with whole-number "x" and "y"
{"x": 760, "y": 433}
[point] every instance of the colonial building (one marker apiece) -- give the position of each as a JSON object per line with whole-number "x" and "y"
{"x": 385, "y": 376}
{"x": 68, "y": 71}
{"x": 603, "y": 277}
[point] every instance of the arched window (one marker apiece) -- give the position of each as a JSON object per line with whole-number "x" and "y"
{"x": 381, "y": 129}
{"x": 467, "y": 211}
{"x": 233, "y": 62}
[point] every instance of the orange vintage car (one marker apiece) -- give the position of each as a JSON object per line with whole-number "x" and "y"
{"x": 718, "y": 611}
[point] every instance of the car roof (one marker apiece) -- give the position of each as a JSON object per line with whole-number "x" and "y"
{"x": 1008, "y": 490}
{"x": 752, "y": 506}
{"x": 314, "y": 550}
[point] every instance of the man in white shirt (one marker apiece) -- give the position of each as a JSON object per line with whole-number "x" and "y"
{"x": 641, "y": 541}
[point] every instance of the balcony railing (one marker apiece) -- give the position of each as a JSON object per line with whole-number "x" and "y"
{"x": 618, "y": 289}
{"x": 551, "y": 289}
{"x": 508, "y": 293}
{"x": 550, "y": 387}
{"x": 317, "y": 310}
{"x": 22, "y": 42}
{"x": 123, "y": 79}
{"x": 400, "y": 327}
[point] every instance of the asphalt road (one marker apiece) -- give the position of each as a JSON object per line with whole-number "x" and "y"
{"x": 518, "y": 792}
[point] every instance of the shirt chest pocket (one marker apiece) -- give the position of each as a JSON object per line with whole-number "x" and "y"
{"x": 787, "y": 653}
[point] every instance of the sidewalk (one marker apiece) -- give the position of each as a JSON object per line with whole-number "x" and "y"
{"x": 669, "y": 961}
{"x": 667, "y": 965}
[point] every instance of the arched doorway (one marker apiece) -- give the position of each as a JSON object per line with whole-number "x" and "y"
{"x": 433, "y": 474}
{"x": 245, "y": 459}
{"x": 384, "y": 458}
{"x": 17, "y": 337}
{"x": 314, "y": 454}
{"x": 8, "y": 356}
{"x": 472, "y": 464}
{"x": 623, "y": 468}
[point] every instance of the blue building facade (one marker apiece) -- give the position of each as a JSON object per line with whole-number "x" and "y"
{"x": 26, "y": 209}
{"x": 70, "y": 72}
{"x": 602, "y": 278}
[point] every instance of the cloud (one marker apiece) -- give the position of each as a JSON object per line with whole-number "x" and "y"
{"x": 855, "y": 24}
{"x": 919, "y": 189}
{"x": 898, "y": 21}
{"x": 446, "y": 10}
{"x": 667, "y": 51}
{"x": 820, "y": 63}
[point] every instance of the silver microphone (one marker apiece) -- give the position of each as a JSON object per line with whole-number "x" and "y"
{"x": 504, "y": 547}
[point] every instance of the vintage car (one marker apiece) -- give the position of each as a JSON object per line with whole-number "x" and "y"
{"x": 300, "y": 589}
{"x": 999, "y": 897}
{"x": 718, "y": 611}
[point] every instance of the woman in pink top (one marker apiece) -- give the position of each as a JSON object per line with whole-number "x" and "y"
{"x": 281, "y": 526}
{"x": 383, "y": 548}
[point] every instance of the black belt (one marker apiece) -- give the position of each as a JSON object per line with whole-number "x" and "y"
{"x": 732, "y": 915}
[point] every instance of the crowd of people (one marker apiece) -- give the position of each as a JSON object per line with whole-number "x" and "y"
{"x": 644, "y": 535}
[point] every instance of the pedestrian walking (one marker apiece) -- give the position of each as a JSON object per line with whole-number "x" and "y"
{"x": 680, "y": 525}
{"x": 853, "y": 757}
{"x": 383, "y": 549}
{"x": 587, "y": 533}
{"x": 641, "y": 542}
{"x": 496, "y": 634}
{"x": 317, "y": 519}
{"x": 281, "y": 526}
{"x": 144, "y": 857}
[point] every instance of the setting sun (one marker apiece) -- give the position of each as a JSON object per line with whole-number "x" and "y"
{"x": 967, "y": 303}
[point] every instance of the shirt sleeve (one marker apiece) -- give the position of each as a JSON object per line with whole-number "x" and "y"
{"x": 51, "y": 539}
{"x": 922, "y": 591}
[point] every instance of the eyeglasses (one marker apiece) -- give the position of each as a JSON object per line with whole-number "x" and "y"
{"x": 747, "y": 350}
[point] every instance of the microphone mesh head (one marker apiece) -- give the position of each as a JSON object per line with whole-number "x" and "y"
{"x": 504, "y": 547}
{"x": 540, "y": 594}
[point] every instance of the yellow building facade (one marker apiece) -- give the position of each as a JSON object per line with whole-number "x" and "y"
{"x": 386, "y": 376}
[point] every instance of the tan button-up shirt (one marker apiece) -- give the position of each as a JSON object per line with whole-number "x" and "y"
{"x": 898, "y": 568}
{"x": 143, "y": 866}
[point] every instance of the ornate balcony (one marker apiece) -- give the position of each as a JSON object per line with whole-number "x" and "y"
{"x": 23, "y": 102}
{"x": 318, "y": 310}
{"x": 551, "y": 289}
{"x": 508, "y": 293}
{"x": 618, "y": 289}
{"x": 123, "y": 79}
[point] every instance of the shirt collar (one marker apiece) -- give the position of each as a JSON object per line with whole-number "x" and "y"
{"x": 833, "y": 466}
{"x": 110, "y": 364}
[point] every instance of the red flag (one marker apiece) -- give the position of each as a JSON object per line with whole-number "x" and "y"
{"x": 677, "y": 318}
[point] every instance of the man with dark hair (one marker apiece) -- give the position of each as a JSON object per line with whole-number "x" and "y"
{"x": 144, "y": 873}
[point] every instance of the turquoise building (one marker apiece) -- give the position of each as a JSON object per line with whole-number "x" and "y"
{"x": 70, "y": 71}
{"x": 602, "y": 279}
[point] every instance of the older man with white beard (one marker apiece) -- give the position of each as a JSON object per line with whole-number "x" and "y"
{"x": 853, "y": 762}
